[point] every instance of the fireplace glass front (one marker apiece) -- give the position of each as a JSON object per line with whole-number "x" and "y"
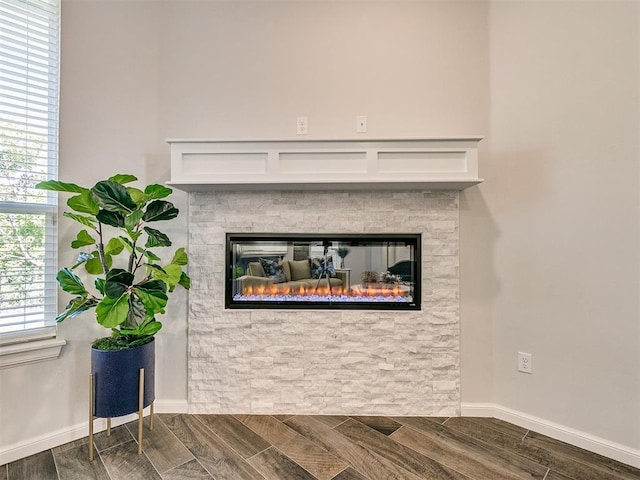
{"x": 323, "y": 271}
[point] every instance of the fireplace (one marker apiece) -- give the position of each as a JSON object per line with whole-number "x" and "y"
{"x": 297, "y": 360}
{"x": 323, "y": 271}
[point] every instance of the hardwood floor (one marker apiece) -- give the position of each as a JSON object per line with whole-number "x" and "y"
{"x": 284, "y": 447}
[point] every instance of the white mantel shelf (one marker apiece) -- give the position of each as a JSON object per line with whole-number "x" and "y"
{"x": 333, "y": 164}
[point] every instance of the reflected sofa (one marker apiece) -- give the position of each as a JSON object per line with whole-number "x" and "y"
{"x": 294, "y": 274}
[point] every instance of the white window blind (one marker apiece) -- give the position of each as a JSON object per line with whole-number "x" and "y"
{"x": 29, "y": 68}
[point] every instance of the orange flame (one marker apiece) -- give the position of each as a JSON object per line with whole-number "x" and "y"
{"x": 324, "y": 290}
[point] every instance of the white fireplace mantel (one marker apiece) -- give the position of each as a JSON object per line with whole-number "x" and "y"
{"x": 312, "y": 164}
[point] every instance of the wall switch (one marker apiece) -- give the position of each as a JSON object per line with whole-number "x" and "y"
{"x": 525, "y": 364}
{"x": 302, "y": 125}
{"x": 361, "y": 124}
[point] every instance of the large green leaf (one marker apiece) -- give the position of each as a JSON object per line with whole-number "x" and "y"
{"x": 138, "y": 196}
{"x": 154, "y": 267}
{"x": 86, "y": 221}
{"x": 76, "y": 307}
{"x": 185, "y": 281}
{"x": 70, "y": 282}
{"x": 155, "y": 285}
{"x": 113, "y": 197}
{"x": 156, "y": 238}
{"x": 153, "y": 294}
{"x": 134, "y": 235}
{"x": 82, "y": 240}
{"x": 149, "y": 254}
{"x": 111, "y": 312}
{"x": 180, "y": 257}
{"x": 171, "y": 275}
{"x": 99, "y": 283}
{"x": 154, "y": 300}
{"x": 114, "y": 219}
{"x": 114, "y": 246}
{"x": 149, "y": 328}
{"x": 58, "y": 186}
{"x": 137, "y": 314}
{"x": 127, "y": 243}
{"x": 131, "y": 220}
{"x": 120, "y": 275}
{"x": 123, "y": 178}
{"x": 156, "y": 191}
{"x": 84, "y": 203}
{"x": 160, "y": 210}
{"x": 117, "y": 282}
{"x": 94, "y": 265}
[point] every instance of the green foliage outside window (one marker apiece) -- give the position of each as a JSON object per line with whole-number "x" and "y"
{"x": 23, "y": 163}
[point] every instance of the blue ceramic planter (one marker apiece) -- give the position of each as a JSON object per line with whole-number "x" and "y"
{"x": 116, "y": 375}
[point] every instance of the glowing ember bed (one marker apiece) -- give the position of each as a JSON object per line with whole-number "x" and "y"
{"x": 323, "y": 271}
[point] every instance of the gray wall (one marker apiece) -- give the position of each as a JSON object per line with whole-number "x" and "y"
{"x": 549, "y": 243}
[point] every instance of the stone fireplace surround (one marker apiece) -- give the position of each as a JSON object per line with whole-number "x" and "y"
{"x": 324, "y": 362}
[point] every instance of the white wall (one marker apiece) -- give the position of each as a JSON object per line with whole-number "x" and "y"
{"x": 564, "y": 130}
{"x": 552, "y": 87}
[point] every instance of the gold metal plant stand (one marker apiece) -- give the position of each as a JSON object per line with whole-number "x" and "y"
{"x": 92, "y": 417}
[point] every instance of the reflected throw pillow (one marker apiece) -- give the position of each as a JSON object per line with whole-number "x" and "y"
{"x": 273, "y": 270}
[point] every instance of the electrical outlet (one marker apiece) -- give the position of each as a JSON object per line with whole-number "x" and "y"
{"x": 525, "y": 363}
{"x": 302, "y": 125}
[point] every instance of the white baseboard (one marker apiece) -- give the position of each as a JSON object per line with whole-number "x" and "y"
{"x": 616, "y": 451}
{"x": 172, "y": 406}
{"x": 41, "y": 443}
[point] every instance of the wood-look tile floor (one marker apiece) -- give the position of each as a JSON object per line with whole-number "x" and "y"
{"x": 283, "y": 447}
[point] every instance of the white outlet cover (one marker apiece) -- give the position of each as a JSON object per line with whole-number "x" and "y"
{"x": 302, "y": 125}
{"x": 525, "y": 362}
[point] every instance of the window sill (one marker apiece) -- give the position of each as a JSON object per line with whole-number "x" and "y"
{"x": 30, "y": 352}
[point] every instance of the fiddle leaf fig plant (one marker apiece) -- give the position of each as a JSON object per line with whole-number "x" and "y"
{"x": 117, "y": 248}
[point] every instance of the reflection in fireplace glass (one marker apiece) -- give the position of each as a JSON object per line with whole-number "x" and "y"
{"x": 332, "y": 271}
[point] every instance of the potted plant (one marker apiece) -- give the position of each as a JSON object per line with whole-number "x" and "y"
{"x": 123, "y": 278}
{"x": 342, "y": 253}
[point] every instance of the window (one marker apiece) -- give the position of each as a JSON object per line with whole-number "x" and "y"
{"x": 29, "y": 67}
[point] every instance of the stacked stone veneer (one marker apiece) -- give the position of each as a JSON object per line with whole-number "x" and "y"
{"x": 324, "y": 362}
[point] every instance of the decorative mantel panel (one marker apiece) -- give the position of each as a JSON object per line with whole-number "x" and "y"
{"x": 399, "y": 164}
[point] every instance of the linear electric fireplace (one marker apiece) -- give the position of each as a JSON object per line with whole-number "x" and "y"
{"x": 323, "y": 271}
